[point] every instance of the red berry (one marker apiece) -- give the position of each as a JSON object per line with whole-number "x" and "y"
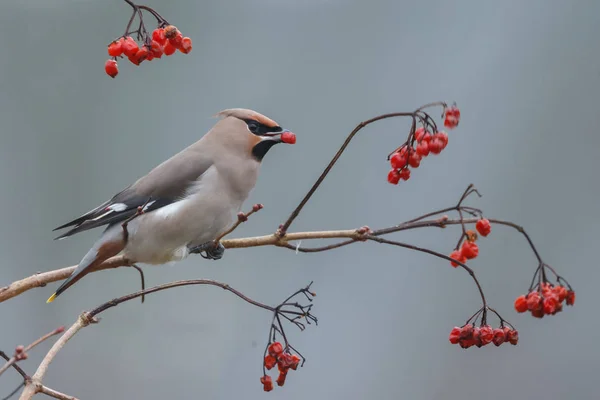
{"x": 483, "y": 227}
{"x": 570, "y": 298}
{"x": 171, "y": 31}
{"x": 534, "y": 301}
{"x": 295, "y": 361}
{"x": 521, "y": 304}
{"x": 158, "y": 35}
{"x": 111, "y": 68}
{"x": 561, "y": 292}
{"x": 115, "y": 49}
{"x": 466, "y": 332}
{"x": 284, "y": 361}
{"x": 142, "y": 54}
{"x": 452, "y": 117}
{"x": 130, "y": 47}
{"x": 420, "y": 133}
{"x": 443, "y": 137}
{"x": 398, "y": 161}
{"x": 539, "y": 313}
{"x": 414, "y": 160}
{"x": 423, "y": 149}
{"x": 288, "y": 137}
{"x": 469, "y": 250}
{"x": 134, "y": 60}
{"x": 455, "y": 335}
{"x": 169, "y": 49}
{"x": 186, "y": 45}
{"x": 512, "y": 336}
{"x": 549, "y": 306}
{"x": 436, "y": 146}
{"x": 466, "y": 343}
{"x": 176, "y": 40}
{"x": 156, "y": 49}
{"x": 499, "y": 337}
{"x": 281, "y": 378}
{"x": 393, "y": 177}
{"x": 405, "y": 174}
{"x": 275, "y": 349}
{"x": 267, "y": 383}
{"x": 486, "y": 335}
{"x": 458, "y": 256}
{"x": 270, "y": 361}
{"x": 477, "y": 336}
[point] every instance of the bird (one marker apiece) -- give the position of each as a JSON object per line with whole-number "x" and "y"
{"x": 182, "y": 205}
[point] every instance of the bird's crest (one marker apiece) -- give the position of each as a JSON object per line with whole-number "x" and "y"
{"x": 244, "y": 113}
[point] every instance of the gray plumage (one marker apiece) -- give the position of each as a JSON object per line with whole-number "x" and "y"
{"x": 188, "y": 200}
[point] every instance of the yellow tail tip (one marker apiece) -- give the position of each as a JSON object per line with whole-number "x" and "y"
{"x": 51, "y": 298}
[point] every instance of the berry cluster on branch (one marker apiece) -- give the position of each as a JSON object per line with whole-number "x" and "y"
{"x": 166, "y": 39}
{"x": 421, "y": 142}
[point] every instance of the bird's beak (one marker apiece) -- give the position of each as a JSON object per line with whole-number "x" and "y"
{"x": 284, "y": 136}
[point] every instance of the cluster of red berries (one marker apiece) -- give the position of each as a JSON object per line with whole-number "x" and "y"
{"x": 547, "y": 301}
{"x": 469, "y": 335}
{"x": 451, "y": 117}
{"x": 469, "y": 249}
{"x": 284, "y": 361}
{"x": 426, "y": 143}
{"x": 165, "y": 41}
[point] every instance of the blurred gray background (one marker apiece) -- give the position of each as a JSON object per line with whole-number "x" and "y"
{"x": 526, "y": 76}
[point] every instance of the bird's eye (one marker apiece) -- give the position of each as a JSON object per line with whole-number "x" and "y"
{"x": 253, "y": 126}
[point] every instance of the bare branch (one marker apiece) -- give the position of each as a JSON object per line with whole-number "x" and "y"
{"x": 22, "y": 354}
{"x": 34, "y": 385}
{"x": 11, "y": 394}
{"x": 42, "y": 279}
{"x": 57, "y": 395}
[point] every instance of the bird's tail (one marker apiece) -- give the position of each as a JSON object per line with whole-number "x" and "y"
{"x": 105, "y": 248}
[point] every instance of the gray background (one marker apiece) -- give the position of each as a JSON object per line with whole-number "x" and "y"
{"x": 526, "y": 75}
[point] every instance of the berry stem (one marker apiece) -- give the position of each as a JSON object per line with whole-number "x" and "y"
{"x": 137, "y": 10}
{"x": 285, "y": 226}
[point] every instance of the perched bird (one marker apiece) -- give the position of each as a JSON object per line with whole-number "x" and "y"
{"x": 184, "y": 203}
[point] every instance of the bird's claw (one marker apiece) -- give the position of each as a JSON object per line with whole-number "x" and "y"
{"x": 209, "y": 250}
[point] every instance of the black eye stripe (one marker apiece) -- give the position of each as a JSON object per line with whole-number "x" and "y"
{"x": 260, "y": 129}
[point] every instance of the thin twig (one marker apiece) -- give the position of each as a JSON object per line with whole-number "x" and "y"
{"x": 56, "y": 394}
{"x": 241, "y": 218}
{"x": 14, "y": 391}
{"x": 14, "y": 365}
{"x": 14, "y": 358}
{"x": 34, "y": 385}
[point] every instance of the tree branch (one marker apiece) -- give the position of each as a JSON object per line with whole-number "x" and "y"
{"x": 42, "y": 279}
{"x": 22, "y": 353}
{"x": 34, "y": 384}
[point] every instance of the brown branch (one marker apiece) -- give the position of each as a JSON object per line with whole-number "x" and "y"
{"x": 11, "y": 394}
{"x": 14, "y": 365}
{"x": 285, "y": 226}
{"x": 19, "y": 355}
{"x": 34, "y": 385}
{"x": 42, "y": 279}
{"x": 241, "y": 218}
{"x": 53, "y": 393}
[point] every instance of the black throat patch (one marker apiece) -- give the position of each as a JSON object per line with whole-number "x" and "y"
{"x": 261, "y": 148}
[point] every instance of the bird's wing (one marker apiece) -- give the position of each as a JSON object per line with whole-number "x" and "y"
{"x": 165, "y": 184}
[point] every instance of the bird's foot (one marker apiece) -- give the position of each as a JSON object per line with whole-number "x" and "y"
{"x": 209, "y": 250}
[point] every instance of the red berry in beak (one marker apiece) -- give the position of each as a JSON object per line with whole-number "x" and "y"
{"x": 288, "y": 137}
